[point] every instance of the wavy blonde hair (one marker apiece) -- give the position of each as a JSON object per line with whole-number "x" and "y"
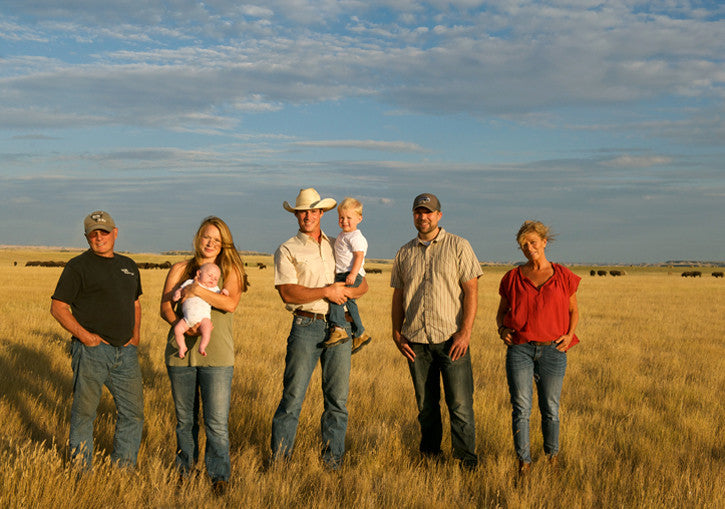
{"x": 536, "y": 227}
{"x": 228, "y": 258}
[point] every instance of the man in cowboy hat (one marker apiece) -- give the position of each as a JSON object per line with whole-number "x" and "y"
{"x": 304, "y": 275}
{"x": 97, "y": 301}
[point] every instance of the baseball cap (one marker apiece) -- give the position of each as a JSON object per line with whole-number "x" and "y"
{"x": 98, "y": 220}
{"x": 427, "y": 201}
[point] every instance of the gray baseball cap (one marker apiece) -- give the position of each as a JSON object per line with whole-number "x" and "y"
{"x": 427, "y": 201}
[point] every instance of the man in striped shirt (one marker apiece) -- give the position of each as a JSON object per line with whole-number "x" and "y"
{"x": 435, "y": 298}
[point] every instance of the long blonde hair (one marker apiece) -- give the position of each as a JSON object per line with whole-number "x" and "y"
{"x": 228, "y": 258}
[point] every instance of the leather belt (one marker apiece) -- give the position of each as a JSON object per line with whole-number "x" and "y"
{"x": 318, "y": 316}
{"x": 307, "y": 314}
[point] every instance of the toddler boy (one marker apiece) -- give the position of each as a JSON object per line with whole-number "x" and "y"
{"x": 350, "y": 249}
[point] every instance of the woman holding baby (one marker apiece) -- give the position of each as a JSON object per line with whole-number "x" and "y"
{"x": 205, "y": 378}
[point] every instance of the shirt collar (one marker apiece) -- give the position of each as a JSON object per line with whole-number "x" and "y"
{"x": 304, "y": 237}
{"x": 441, "y": 234}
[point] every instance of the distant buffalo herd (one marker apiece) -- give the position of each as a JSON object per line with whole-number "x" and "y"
{"x": 167, "y": 265}
{"x": 604, "y": 273}
{"x": 697, "y": 273}
{"x": 688, "y": 273}
{"x": 141, "y": 265}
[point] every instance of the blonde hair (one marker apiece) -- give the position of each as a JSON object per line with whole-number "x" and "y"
{"x": 228, "y": 258}
{"x": 350, "y": 204}
{"x": 536, "y": 227}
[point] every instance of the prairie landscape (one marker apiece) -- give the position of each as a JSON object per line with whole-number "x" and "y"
{"x": 643, "y": 421}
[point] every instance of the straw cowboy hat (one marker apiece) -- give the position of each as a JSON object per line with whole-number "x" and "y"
{"x": 310, "y": 199}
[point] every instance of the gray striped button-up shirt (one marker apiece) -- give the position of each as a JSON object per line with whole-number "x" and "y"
{"x": 431, "y": 278}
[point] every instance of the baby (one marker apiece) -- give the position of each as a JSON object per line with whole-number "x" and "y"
{"x": 197, "y": 310}
{"x": 350, "y": 249}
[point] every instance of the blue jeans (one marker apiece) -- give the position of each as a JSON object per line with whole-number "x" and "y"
{"x": 432, "y": 363}
{"x": 545, "y": 365}
{"x": 303, "y": 351}
{"x": 118, "y": 369}
{"x": 212, "y": 385}
{"x": 337, "y": 311}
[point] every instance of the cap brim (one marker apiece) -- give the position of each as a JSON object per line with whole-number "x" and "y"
{"x": 105, "y": 228}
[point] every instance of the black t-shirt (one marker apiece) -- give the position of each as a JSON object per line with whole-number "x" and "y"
{"x": 101, "y": 293}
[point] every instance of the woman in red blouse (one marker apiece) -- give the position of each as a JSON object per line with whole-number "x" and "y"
{"x": 536, "y": 320}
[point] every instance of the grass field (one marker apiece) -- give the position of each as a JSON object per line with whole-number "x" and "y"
{"x": 643, "y": 421}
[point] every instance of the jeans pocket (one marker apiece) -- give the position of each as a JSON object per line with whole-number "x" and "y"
{"x": 303, "y": 321}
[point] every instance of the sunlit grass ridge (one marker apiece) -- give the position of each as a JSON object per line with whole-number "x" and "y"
{"x": 642, "y": 413}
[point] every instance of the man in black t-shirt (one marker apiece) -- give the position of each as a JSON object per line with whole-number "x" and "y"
{"x": 96, "y": 300}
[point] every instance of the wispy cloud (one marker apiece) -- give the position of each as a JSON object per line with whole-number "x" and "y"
{"x": 628, "y": 161}
{"x": 384, "y": 146}
{"x": 581, "y": 112}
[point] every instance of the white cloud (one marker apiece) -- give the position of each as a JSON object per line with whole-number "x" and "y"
{"x": 385, "y": 146}
{"x": 256, "y": 11}
{"x": 596, "y": 102}
{"x": 498, "y": 61}
{"x": 633, "y": 162}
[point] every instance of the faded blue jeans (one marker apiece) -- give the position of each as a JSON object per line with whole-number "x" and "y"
{"x": 303, "y": 351}
{"x": 432, "y": 363}
{"x": 545, "y": 365}
{"x": 337, "y": 311}
{"x": 212, "y": 385}
{"x": 118, "y": 369}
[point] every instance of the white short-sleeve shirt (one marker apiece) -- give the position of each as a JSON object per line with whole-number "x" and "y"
{"x": 345, "y": 245}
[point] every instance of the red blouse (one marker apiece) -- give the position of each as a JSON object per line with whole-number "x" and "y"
{"x": 542, "y": 314}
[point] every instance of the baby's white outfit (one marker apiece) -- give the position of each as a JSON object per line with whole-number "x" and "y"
{"x": 195, "y": 308}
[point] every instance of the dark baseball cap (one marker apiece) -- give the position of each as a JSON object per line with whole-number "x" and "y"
{"x": 427, "y": 201}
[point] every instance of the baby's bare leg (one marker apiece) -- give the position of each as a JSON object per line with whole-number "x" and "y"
{"x": 205, "y": 328}
{"x": 179, "y": 329}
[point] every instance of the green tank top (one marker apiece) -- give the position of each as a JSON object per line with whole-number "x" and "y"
{"x": 220, "y": 351}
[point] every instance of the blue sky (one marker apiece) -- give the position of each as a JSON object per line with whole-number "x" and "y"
{"x": 605, "y": 120}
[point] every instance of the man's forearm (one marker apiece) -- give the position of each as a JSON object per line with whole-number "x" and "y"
{"x": 396, "y": 312}
{"x": 470, "y": 306}
{"x": 62, "y": 313}
{"x": 357, "y": 292}
{"x": 137, "y": 321}
{"x": 298, "y": 294}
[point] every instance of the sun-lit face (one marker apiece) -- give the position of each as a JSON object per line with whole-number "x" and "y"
{"x": 101, "y": 242}
{"x": 309, "y": 220}
{"x": 210, "y": 242}
{"x": 426, "y": 221}
{"x": 348, "y": 220}
{"x": 208, "y": 275}
{"x": 532, "y": 245}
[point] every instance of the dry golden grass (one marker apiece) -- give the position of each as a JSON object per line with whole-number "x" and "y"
{"x": 642, "y": 413}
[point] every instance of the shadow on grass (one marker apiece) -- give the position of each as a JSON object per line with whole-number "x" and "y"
{"x": 41, "y": 393}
